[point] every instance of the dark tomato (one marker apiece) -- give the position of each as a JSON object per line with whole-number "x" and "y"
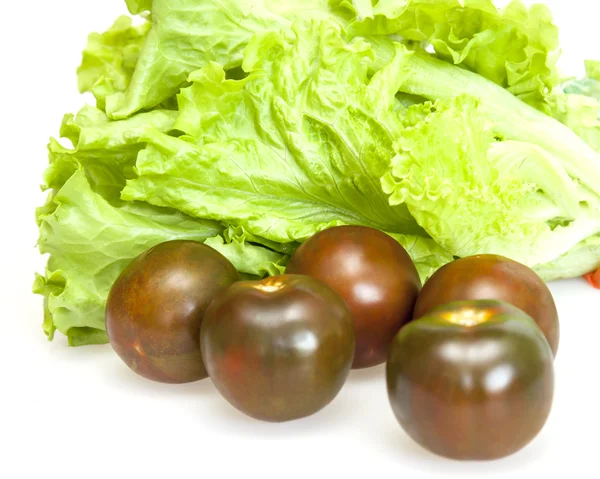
{"x": 375, "y": 276}
{"x": 156, "y": 306}
{"x": 472, "y": 380}
{"x": 493, "y": 277}
{"x": 278, "y": 349}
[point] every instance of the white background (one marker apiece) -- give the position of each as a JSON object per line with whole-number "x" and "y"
{"x": 79, "y": 412}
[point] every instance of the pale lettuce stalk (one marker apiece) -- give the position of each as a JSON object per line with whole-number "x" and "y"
{"x": 580, "y": 260}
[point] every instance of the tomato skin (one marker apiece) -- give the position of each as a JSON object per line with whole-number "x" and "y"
{"x": 593, "y": 279}
{"x": 478, "y": 391}
{"x": 375, "y": 276}
{"x": 493, "y": 277}
{"x": 155, "y": 308}
{"x": 278, "y": 349}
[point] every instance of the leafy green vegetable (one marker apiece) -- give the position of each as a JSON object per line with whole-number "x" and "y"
{"x": 138, "y": 6}
{"x": 427, "y": 255}
{"x": 474, "y": 195}
{"x": 514, "y": 47}
{"x": 91, "y": 241}
{"x": 91, "y": 235}
{"x": 248, "y": 258}
{"x": 188, "y": 34}
{"x": 298, "y": 146}
{"x": 110, "y": 58}
{"x": 433, "y": 79}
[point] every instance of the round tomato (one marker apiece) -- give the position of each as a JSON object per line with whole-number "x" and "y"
{"x": 278, "y": 349}
{"x": 375, "y": 276}
{"x": 155, "y": 308}
{"x": 493, "y": 277}
{"x": 471, "y": 380}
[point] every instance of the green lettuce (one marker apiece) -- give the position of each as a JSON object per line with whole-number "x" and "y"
{"x": 427, "y": 255}
{"x": 138, "y": 6}
{"x": 474, "y": 194}
{"x": 433, "y": 79}
{"x": 188, "y": 34}
{"x": 578, "y": 261}
{"x": 110, "y": 58}
{"x": 297, "y": 146}
{"x": 514, "y": 47}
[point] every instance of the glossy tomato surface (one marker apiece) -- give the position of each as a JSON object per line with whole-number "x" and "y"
{"x": 278, "y": 349}
{"x": 375, "y": 276}
{"x": 493, "y": 277}
{"x": 472, "y": 380}
{"x": 157, "y": 304}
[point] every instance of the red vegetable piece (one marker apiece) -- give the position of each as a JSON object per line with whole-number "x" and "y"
{"x": 593, "y": 278}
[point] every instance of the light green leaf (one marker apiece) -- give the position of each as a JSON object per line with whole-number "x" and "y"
{"x": 106, "y": 149}
{"x": 110, "y": 58}
{"x": 475, "y": 197}
{"x": 189, "y": 34}
{"x": 513, "y": 119}
{"x": 427, "y": 255}
{"x": 514, "y": 47}
{"x": 297, "y": 146}
{"x": 249, "y": 259}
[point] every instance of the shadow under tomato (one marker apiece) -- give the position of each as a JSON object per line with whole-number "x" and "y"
{"x": 223, "y": 416}
{"x": 118, "y": 375}
{"x": 367, "y": 375}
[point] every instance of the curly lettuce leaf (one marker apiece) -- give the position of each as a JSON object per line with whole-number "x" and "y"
{"x": 474, "y": 196}
{"x": 91, "y": 235}
{"x": 515, "y": 47}
{"x": 428, "y": 77}
{"x": 106, "y": 149}
{"x": 248, "y": 258}
{"x": 188, "y": 34}
{"x": 297, "y": 146}
{"x": 110, "y": 58}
